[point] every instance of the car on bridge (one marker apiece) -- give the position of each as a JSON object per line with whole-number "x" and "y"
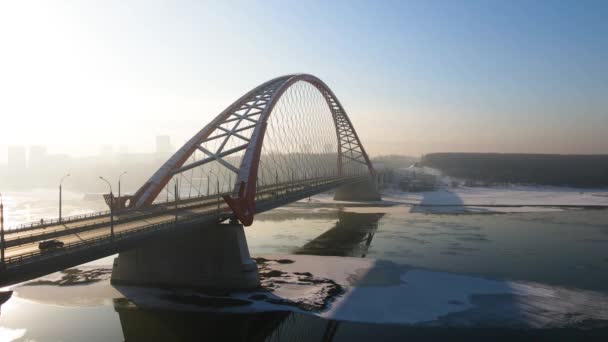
{"x": 50, "y": 245}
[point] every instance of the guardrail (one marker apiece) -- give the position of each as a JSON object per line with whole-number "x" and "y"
{"x": 50, "y": 222}
{"x": 270, "y": 200}
{"x": 133, "y": 215}
{"x": 70, "y": 247}
{"x": 47, "y": 234}
{"x": 75, "y": 218}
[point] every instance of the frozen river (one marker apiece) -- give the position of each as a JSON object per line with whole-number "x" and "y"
{"x": 567, "y": 249}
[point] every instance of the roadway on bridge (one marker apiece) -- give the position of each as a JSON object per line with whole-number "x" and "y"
{"x": 21, "y": 236}
{"x": 105, "y": 229}
{"x": 99, "y": 226}
{"x": 96, "y": 220}
{"x": 102, "y": 219}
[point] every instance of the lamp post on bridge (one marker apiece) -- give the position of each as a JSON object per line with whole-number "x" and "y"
{"x": 216, "y": 177}
{"x": 230, "y": 182}
{"x": 60, "y": 185}
{"x": 276, "y": 184}
{"x": 2, "y": 232}
{"x": 111, "y": 208}
{"x": 176, "y": 200}
{"x": 218, "y": 196}
{"x": 217, "y": 189}
{"x": 123, "y": 173}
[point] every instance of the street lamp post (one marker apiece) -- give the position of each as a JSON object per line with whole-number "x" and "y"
{"x": 217, "y": 189}
{"x": 176, "y": 195}
{"x": 218, "y": 196}
{"x": 60, "y": 184}
{"x": 111, "y": 208}
{"x": 276, "y": 184}
{"x": 208, "y": 179}
{"x": 2, "y": 232}
{"x": 123, "y": 173}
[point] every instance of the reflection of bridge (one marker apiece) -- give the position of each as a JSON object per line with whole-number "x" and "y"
{"x": 285, "y": 140}
{"x": 350, "y": 237}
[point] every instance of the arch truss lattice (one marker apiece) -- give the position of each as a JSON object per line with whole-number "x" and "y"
{"x": 289, "y": 129}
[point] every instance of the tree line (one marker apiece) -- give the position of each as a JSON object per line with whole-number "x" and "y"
{"x": 544, "y": 169}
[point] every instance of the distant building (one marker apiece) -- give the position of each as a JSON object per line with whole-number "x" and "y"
{"x": 16, "y": 157}
{"x": 38, "y": 156}
{"x": 163, "y": 146}
{"x": 106, "y": 151}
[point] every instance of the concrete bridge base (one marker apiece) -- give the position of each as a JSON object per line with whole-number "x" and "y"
{"x": 212, "y": 257}
{"x": 363, "y": 191}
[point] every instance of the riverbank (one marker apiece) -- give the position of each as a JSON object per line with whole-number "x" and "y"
{"x": 510, "y": 199}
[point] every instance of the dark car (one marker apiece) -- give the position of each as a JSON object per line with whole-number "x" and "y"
{"x": 50, "y": 244}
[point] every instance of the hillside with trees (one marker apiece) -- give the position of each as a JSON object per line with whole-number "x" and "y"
{"x": 543, "y": 169}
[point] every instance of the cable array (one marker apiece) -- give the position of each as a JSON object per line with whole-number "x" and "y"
{"x": 304, "y": 135}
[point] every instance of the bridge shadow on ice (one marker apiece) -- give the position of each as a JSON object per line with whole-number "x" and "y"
{"x": 350, "y": 237}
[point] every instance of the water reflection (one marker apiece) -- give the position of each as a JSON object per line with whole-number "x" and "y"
{"x": 166, "y": 326}
{"x": 351, "y": 236}
{"x": 157, "y": 325}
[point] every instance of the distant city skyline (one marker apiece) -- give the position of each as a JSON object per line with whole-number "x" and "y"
{"x": 35, "y": 166}
{"x": 414, "y": 76}
{"x": 28, "y": 156}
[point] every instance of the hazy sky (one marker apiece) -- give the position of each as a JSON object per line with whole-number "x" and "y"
{"x": 415, "y": 77}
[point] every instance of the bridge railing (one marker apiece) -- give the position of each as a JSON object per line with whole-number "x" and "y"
{"x": 53, "y": 221}
{"x": 70, "y": 247}
{"x": 266, "y": 198}
{"x": 128, "y": 216}
{"x": 264, "y": 193}
{"x": 157, "y": 205}
{"x": 71, "y": 219}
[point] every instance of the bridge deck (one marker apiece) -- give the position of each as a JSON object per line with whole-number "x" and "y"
{"x": 89, "y": 239}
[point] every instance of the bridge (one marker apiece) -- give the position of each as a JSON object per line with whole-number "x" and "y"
{"x": 285, "y": 140}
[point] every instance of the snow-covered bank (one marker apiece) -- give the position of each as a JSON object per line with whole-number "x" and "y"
{"x": 485, "y": 199}
{"x": 367, "y": 290}
{"x": 516, "y": 195}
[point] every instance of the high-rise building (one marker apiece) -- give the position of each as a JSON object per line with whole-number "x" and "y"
{"x": 106, "y": 151}
{"x": 38, "y": 156}
{"x": 16, "y": 157}
{"x": 163, "y": 146}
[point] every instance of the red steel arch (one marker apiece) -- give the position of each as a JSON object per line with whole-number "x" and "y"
{"x": 254, "y": 107}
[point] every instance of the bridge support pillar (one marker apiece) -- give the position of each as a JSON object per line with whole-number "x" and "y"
{"x": 362, "y": 191}
{"x": 212, "y": 257}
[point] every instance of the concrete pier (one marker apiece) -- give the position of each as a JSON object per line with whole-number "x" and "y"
{"x": 362, "y": 191}
{"x": 212, "y": 257}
